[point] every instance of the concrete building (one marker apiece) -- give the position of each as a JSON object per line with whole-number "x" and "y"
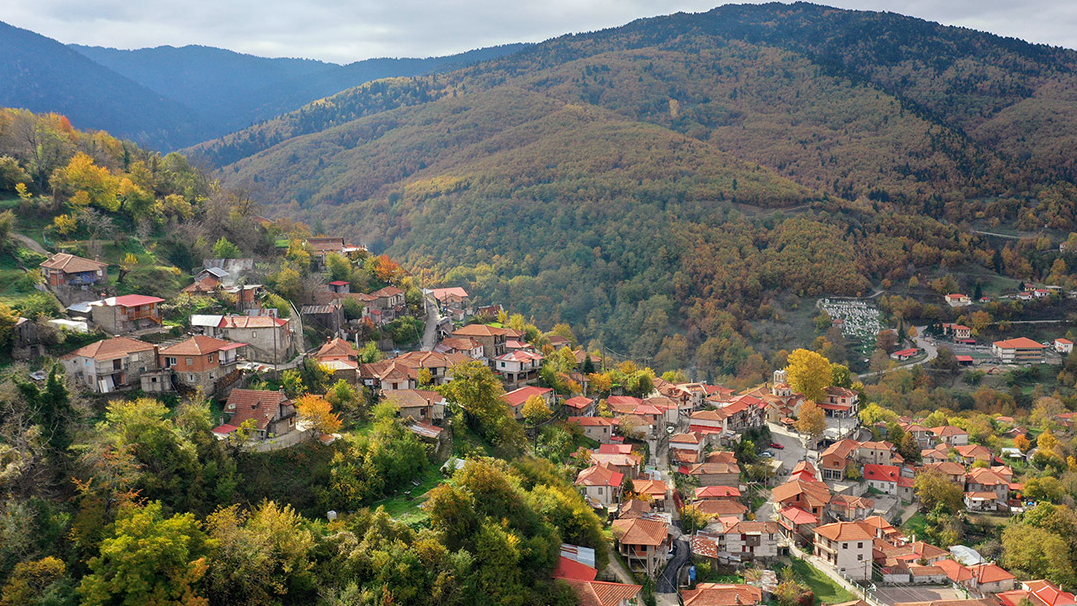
{"x": 846, "y": 547}
{"x": 126, "y": 314}
{"x": 1021, "y": 350}
{"x": 203, "y": 362}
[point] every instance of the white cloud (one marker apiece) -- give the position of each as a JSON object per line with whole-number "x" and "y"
{"x": 349, "y": 30}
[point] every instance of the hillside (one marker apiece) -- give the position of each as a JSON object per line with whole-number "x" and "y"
{"x": 632, "y": 181}
{"x": 232, "y": 90}
{"x": 42, "y": 75}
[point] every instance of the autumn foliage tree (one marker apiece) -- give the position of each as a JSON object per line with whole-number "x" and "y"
{"x": 809, "y": 373}
{"x": 811, "y": 419}
{"x": 317, "y": 411}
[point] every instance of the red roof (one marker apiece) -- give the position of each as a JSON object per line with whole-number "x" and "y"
{"x": 571, "y": 569}
{"x": 1063, "y": 341}
{"x": 716, "y": 492}
{"x": 963, "y": 358}
{"x": 339, "y": 283}
{"x": 591, "y": 421}
{"x": 1018, "y": 343}
{"x": 519, "y": 396}
{"x": 882, "y": 473}
{"x": 133, "y": 300}
{"x": 906, "y": 352}
{"x": 798, "y": 516}
{"x": 578, "y": 402}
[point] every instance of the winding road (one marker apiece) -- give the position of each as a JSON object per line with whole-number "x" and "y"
{"x": 927, "y": 346}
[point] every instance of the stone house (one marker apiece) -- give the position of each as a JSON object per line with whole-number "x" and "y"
{"x": 272, "y": 412}
{"x": 111, "y": 364}
{"x": 599, "y": 429}
{"x": 270, "y": 340}
{"x": 127, "y": 313}
{"x": 644, "y": 544}
{"x": 63, "y": 269}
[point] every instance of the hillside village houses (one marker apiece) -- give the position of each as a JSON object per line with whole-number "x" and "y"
{"x": 111, "y": 364}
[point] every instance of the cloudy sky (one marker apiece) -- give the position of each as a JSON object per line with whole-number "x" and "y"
{"x": 347, "y": 30}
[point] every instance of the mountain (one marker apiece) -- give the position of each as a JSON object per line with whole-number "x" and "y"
{"x": 232, "y": 90}
{"x": 673, "y": 186}
{"x": 42, "y": 75}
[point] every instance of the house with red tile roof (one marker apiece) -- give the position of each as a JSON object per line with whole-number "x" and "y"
{"x": 847, "y": 548}
{"x": 812, "y": 497}
{"x": 418, "y": 404}
{"x": 954, "y": 436}
{"x": 599, "y": 429}
{"x": 974, "y": 452}
{"x": 1040, "y": 593}
{"x": 601, "y": 485}
{"x": 580, "y": 406}
{"x": 517, "y": 368}
{"x": 717, "y": 492}
{"x": 269, "y": 339}
{"x": 602, "y": 593}
{"x": 991, "y": 578}
{"x": 644, "y": 544}
{"x": 272, "y": 412}
{"x": 721, "y": 509}
{"x": 389, "y": 375}
{"x": 804, "y": 471}
{"x": 883, "y": 478}
{"x": 111, "y": 364}
{"x": 836, "y": 459}
{"x": 465, "y": 345}
{"x": 203, "y": 362}
{"x": 879, "y": 453}
{"x": 718, "y": 594}
{"x": 848, "y": 508}
{"x": 958, "y": 300}
{"x": 654, "y": 489}
{"x": 1063, "y": 346}
{"x": 715, "y": 474}
{"x": 799, "y": 524}
{"x": 63, "y": 269}
{"x": 625, "y": 463}
{"x": 924, "y": 437}
{"x": 840, "y": 402}
{"x": 491, "y": 338}
{"x": 518, "y": 397}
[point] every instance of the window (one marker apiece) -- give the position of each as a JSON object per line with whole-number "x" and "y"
{"x": 599, "y": 490}
{"x": 860, "y": 557}
{"x": 170, "y": 362}
{"x": 844, "y": 545}
{"x": 190, "y": 378}
{"x": 860, "y": 545}
{"x": 189, "y": 361}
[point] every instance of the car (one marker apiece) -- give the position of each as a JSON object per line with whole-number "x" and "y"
{"x": 767, "y": 455}
{"x": 777, "y": 446}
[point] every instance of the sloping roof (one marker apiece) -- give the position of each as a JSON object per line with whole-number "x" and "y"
{"x": 716, "y": 594}
{"x": 336, "y": 348}
{"x": 517, "y": 397}
{"x": 815, "y": 493}
{"x": 571, "y": 569}
{"x": 717, "y": 492}
{"x": 946, "y": 431}
{"x": 480, "y": 330}
{"x": 720, "y": 507}
{"x": 250, "y": 322}
{"x": 579, "y": 402}
{"x": 199, "y": 345}
{"x": 798, "y": 516}
{"x": 255, "y": 404}
{"x": 846, "y": 531}
{"x": 591, "y": 421}
{"x": 601, "y": 593}
{"x": 132, "y": 300}
{"x": 640, "y": 532}
{"x": 70, "y": 264}
{"x": 710, "y": 468}
{"x": 461, "y": 343}
{"x": 881, "y": 473}
{"x": 110, "y": 349}
{"x": 1049, "y": 593}
{"x": 990, "y": 573}
{"x": 954, "y": 570}
{"x": 1019, "y": 343}
{"x": 597, "y": 475}
{"x": 455, "y": 291}
{"x": 655, "y": 488}
{"x": 413, "y": 398}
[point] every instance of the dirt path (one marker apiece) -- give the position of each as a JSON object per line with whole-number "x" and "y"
{"x": 30, "y": 243}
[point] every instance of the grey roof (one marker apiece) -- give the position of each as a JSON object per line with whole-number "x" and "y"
{"x": 967, "y": 556}
{"x": 206, "y": 320}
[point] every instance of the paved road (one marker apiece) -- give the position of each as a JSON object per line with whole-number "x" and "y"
{"x": 432, "y": 317}
{"x": 667, "y": 583}
{"x": 927, "y": 346}
{"x": 792, "y": 454}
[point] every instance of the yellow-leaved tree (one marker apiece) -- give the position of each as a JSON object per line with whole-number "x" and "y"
{"x": 317, "y": 411}
{"x": 809, "y": 373}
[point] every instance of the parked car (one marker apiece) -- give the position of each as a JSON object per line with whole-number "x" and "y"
{"x": 767, "y": 455}
{"x": 777, "y": 446}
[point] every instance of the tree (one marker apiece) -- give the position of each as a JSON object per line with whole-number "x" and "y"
{"x": 149, "y": 559}
{"x": 223, "y": 249}
{"x": 347, "y": 399}
{"x": 840, "y": 376}
{"x": 8, "y": 319}
{"x": 1046, "y": 488}
{"x": 1038, "y": 553}
{"x": 260, "y": 556}
{"x": 811, "y": 419}
{"x": 536, "y": 411}
{"x": 809, "y": 374}
{"x": 35, "y": 583}
{"x": 1022, "y": 443}
{"x": 317, "y": 411}
{"x": 909, "y": 449}
{"x": 1045, "y": 413}
{"x": 692, "y": 519}
{"x": 934, "y": 489}
{"x": 65, "y": 225}
{"x": 887, "y": 340}
{"x": 873, "y": 413}
{"x": 477, "y": 391}
{"x": 7, "y": 227}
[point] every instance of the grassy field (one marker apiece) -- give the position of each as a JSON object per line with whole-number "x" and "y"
{"x": 825, "y": 589}
{"x": 405, "y": 506}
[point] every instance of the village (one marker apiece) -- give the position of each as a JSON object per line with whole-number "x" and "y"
{"x": 710, "y": 496}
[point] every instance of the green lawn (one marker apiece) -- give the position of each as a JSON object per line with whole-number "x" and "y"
{"x": 915, "y": 526}
{"x": 825, "y": 589}
{"x": 405, "y": 506}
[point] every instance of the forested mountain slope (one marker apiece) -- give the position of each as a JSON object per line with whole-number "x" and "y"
{"x": 42, "y": 75}
{"x": 615, "y": 179}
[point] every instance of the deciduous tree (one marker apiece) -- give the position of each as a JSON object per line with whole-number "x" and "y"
{"x": 809, "y": 373}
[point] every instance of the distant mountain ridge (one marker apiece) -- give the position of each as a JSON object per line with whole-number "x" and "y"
{"x": 43, "y": 75}
{"x": 231, "y": 90}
